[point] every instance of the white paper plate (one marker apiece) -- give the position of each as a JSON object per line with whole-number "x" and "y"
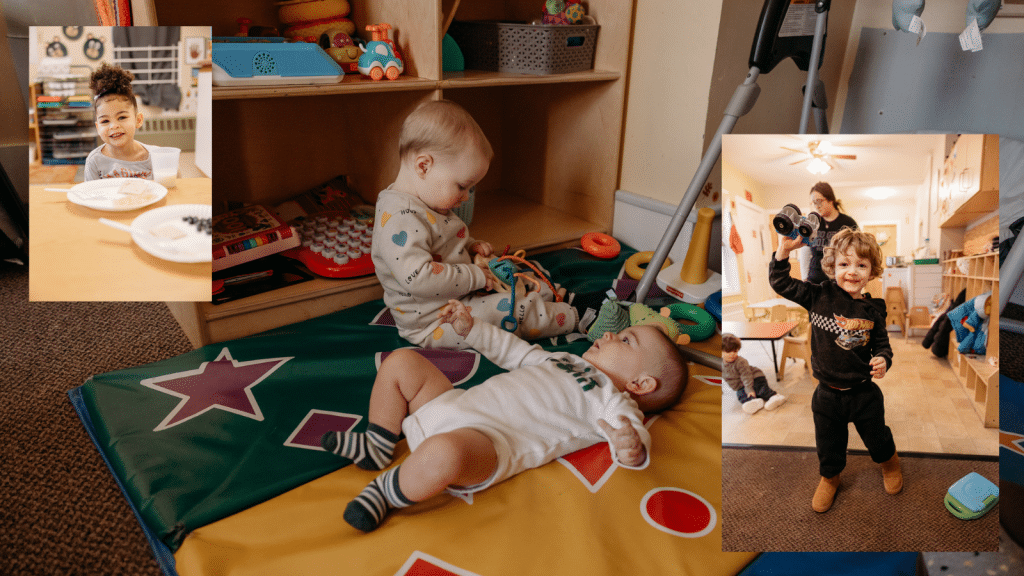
{"x": 194, "y": 246}
{"x": 104, "y": 194}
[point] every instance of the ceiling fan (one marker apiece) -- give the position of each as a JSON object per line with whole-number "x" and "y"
{"x": 821, "y": 155}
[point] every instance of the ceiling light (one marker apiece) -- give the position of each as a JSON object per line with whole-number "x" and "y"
{"x": 880, "y": 193}
{"x": 818, "y": 166}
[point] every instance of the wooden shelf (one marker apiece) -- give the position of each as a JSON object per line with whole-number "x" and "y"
{"x": 350, "y": 84}
{"x": 557, "y": 141}
{"x": 356, "y": 84}
{"x": 498, "y": 217}
{"x": 979, "y": 379}
{"x": 478, "y": 78}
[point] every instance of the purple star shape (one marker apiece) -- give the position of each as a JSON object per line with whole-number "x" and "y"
{"x": 224, "y": 383}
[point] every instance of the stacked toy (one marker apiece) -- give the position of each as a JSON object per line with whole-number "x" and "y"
{"x": 307, "y": 20}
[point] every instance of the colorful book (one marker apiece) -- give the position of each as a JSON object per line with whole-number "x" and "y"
{"x": 249, "y": 233}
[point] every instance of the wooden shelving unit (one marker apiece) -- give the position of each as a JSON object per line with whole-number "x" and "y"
{"x": 979, "y": 378}
{"x": 557, "y": 140}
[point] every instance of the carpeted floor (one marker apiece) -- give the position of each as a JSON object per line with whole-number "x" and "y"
{"x": 60, "y": 511}
{"x": 1011, "y": 346}
{"x": 766, "y": 505}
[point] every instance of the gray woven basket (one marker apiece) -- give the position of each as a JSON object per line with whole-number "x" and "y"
{"x": 526, "y": 48}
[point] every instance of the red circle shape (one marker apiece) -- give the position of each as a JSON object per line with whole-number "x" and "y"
{"x": 679, "y": 511}
{"x": 600, "y": 245}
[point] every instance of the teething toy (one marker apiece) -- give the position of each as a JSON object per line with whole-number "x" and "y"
{"x": 705, "y": 323}
{"x": 505, "y": 271}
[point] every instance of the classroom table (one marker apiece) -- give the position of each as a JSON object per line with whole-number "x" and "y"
{"x": 73, "y": 257}
{"x": 770, "y": 331}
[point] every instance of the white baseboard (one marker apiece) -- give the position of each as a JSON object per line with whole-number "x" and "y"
{"x": 641, "y": 222}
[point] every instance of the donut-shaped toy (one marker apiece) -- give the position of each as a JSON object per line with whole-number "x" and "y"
{"x": 705, "y": 323}
{"x": 600, "y": 245}
{"x": 635, "y": 264}
{"x": 307, "y": 10}
{"x": 714, "y": 305}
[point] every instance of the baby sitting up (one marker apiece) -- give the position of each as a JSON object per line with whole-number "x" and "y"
{"x": 422, "y": 251}
{"x": 550, "y": 404}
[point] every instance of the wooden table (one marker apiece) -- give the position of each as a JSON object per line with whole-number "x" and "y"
{"x": 73, "y": 257}
{"x": 770, "y": 331}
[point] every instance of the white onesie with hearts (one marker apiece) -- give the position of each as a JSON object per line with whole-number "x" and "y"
{"x": 422, "y": 260}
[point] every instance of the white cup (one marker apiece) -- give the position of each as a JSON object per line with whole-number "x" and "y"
{"x": 165, "y": 165}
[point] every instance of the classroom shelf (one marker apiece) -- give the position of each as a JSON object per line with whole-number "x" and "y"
{"x": 979, "y": 379}
{"x": 557, "y": 140}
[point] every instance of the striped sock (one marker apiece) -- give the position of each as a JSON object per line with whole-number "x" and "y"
{"x": 370, "y": 450}
{"x": 368, "y": 509}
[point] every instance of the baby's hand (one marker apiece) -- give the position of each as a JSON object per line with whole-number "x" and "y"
{"x": 877, "y": 367}
{"x": 458, "y": 315}
{"x": 628, "y": 448}
{"x": 482, "y": 248}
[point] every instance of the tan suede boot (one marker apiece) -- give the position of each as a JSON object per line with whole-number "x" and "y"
{"x": 892, "y": 476}
{"x": 825, "y": 493}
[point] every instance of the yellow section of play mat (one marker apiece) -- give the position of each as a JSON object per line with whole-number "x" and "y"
{"x": 545, "y": 521}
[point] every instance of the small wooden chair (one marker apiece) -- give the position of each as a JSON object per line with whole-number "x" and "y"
{"x": 779, "y": 313}
{"x": 797, "y": 346}
{"x": 754, "y": 314}
{"x": 918, "y": 318}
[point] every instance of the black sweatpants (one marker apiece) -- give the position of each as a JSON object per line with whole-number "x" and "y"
{"x": 834, "y": 409}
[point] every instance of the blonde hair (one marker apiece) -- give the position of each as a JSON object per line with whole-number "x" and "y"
{"x": 441, "y": 127}
{"x": 863, "y": 244}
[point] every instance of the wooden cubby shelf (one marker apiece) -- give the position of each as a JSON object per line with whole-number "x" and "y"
{"x": 979, "y": 378}
{"x": 557, "y": 140}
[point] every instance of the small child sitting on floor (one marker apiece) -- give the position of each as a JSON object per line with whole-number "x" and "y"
{"x": 749, "y": 382}
{"x": 117, "y": 119}
{"x": 550, "y": 404}
{"x": 422, "y": 251}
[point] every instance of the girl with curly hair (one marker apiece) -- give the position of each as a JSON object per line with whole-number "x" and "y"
{"x": 117, "y": 119}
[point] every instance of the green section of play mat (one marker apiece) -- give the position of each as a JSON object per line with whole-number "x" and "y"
{"x": 184, "y": 470}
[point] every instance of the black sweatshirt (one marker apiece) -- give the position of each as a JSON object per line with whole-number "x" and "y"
{"x": 846, "y": 332}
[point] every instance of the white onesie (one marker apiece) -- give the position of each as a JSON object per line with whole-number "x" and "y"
{"x": 422, "y": 260}
{"x": 547, "y": 406}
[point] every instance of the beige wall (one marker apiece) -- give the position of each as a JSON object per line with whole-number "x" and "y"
{"x": 677, "y": 96}
{"x": 667, "y": 100}
{"x": 737, "y": 183}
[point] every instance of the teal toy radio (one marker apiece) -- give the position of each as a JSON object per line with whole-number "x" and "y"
{"x": 971, "y": 497}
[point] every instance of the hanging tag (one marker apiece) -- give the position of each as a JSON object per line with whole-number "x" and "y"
{"x": 917, "y": 27}
{"x": 970, "y": 38}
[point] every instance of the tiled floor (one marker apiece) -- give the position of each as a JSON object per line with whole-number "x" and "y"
{"x": 926, "y": 406}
